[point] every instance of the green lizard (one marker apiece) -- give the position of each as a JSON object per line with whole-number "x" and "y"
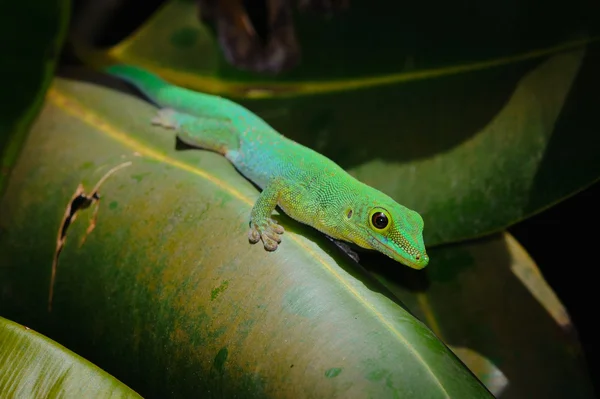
{"x": 306, "y": 185}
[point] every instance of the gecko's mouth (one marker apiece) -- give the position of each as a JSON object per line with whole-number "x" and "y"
{"x": 397, "y": 255}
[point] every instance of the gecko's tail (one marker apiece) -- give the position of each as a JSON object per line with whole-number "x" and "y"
{"x": 162, "y": 93}
{"x": 148, "y": 83}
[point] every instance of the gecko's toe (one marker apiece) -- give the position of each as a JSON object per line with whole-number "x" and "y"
{"x": 274, "y": 230}
{"x": 165, "y": 117}
{"x": 277, "y": 228}
{"x": 270, "y": 235}
{"x": 269, "y": 243}
{"x": 253, "y": 235}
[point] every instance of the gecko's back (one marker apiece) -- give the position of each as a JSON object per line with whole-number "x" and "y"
{"x": 263, "y": 153}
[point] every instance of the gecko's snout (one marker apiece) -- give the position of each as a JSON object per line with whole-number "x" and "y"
{"x": 421, "y": 261}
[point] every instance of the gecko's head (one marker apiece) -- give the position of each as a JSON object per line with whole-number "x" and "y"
{"x": 391, "y": 229}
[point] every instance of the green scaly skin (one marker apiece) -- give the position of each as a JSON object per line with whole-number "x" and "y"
{"x": 305, "y": 184}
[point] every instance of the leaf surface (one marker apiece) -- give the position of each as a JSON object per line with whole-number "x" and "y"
{"x": 166, "y": 286}
{"x": 27, "y": 65}
{"x": 488, "y": 301}
{"x": 33, "y": 366}
{"x": 475, "y": 140}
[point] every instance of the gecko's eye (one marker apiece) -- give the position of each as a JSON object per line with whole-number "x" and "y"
{"x": 379, "y": 219}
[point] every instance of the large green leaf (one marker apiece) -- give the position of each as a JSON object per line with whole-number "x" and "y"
{"x": 473, "y": 153}
{"x": 473, "y": 146}
{"x": 491, "y": 158}
{"x": 369, "y": 44}
{"x": 166, "y": 292}
{"x": 489, "y": 302}
{"x": 33, "y": 366}
{"x": 29, "y": 52}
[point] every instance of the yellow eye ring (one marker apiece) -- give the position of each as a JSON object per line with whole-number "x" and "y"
{"x": 380, "y": 220}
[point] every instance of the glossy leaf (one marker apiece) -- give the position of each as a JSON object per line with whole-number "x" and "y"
{"x": 494, "y": 159}
{"x": 33, "y": 366}
{"x": 166, "y": 292}
{"x": 487, "y": 372}
{"x": 27, "y": 67}
{"x": 473, "y": 153}
{"x": 367, "y": 45}
{"x": 488, "y": 299}
{"x": 474, "y": 147}
{"x": 502, "y": 147}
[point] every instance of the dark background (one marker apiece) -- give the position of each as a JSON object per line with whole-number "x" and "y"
{"x": 563, "y": 241}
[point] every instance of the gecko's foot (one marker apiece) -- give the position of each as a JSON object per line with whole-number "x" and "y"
{"x": 268, "y": 232}
{"x": 165, "y": 117}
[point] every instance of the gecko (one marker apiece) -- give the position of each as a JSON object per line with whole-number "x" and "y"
{"x": 306, "y": 185}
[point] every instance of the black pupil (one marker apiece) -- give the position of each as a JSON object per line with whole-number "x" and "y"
{"x": 380, "y": 220}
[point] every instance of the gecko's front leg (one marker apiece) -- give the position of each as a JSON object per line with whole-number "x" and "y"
{"x": 262, "y": 226}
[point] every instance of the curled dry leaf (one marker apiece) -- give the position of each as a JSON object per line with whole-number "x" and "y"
{"x": 79, "y": 201}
